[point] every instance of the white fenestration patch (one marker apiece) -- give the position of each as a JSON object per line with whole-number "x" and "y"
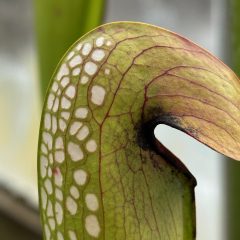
{"x": 44, "y": 149}
{"x": 75, "y": 61}
{"x": 59, "y": 143}
{"x": 63, "y": 71}
{"x": 65, "y": 115}
{"x": 80, "y": 177}
{"x": 58, "y": 178}
{"x": 65, "y": 103}
{"x": 47, "y": 121}
{"x": 100, "y": 41}
{"x": 49, "y": 172}
{"x": 91, "y": 202}
{"x": 84, "y": 79}
{"x": 58, "y": 213}
{"x": 70, "y": 55}
{"x": 90, "y": 68}
{"x": 52, "y": 223}
{"x": 76, "y": 71}
{"x": 74, "y": 192}
{"x": 49, "y": 209}
{"x": 83, "y": 133}
{"x": 98, "y": 55}
{"x": 43, "y": 166}
{"x": 81, "y": 112}
{"x": 55, "y": 87}
{"x": 44, "y": 198}
{"x": 60, "y": 236}
{"x": 107, "y": 71}
{"x": 65, "y": 81}
{"x": 48, "y": 186}
{"x": 75, "y": 151}
{"x": 56, "y": 104}
{"x": 62, "y": 124}
{"x": 47, "y": 138}
{"x": 87, "y": 47}
{"x": 92, "y": 225}
{"x": 70, "y": 91}
{"x": 108, "y": 43}
{"x": 54, "y": 124}
{"x": 50, "y": 158}
{"x": 50, "y": 101}
{"x": 97, "y": 95}
{"x": 91, "y": 145}
{"x": 79, "y": 46}
{"x": 59, "y": 156}
{"x": 75, "y": 127}
{"x": 47, "y": 232}
{"x": 59, "y": 194}
{"x": 71, "y": 205}
{"x": 72, "y": 235}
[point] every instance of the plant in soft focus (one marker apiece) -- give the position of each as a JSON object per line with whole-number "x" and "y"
{"x": 102, "y": 173}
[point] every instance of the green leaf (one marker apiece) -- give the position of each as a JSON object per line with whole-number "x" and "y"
{"x": 58, "y": 24}
{"x": 102, "y": 173}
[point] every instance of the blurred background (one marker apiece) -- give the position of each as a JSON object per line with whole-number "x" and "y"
{"x": 209, "y": 23}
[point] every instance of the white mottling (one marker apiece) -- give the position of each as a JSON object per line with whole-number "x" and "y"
{"x": 55, "y": 87}
{"x": 65, "y": 115}
{"x": 49, "y": 208}
{"x": 58, "y": 213}
{"x": 108, "y": 43}
{"x": 83, "y": 133}
{"x": 71, "y": 205}
{"x": 48, "y": 186}
{"x": 49, "y": 172}
{"x": 62, "y": 124}
{"x": 74, "y": 192}
{"x": 84, "y": 79}
{"x": 43, "y": 166}
{"x": 75, "y": 151}
{"x": 107, "y": 71}
{"x": 52, "y": 223}
{"x": 98, "y": 95}
{"x": 70, "y": 55}
{"x": 91, "y": 202}
{"x": 47, "y": 121}
{"x": 90, "y": 68}
{"x": 70, "y": 91}
{"x": 51, "y": 158}
{"x": 75, "y": 127}
{"x": 47, "y": 232}
{"x": 65, "y": 103}
{"x": 59, "y": 156}
{"x": 56, "y": 104}
{"x": 50, "y": 101}
{"x": 87, "y": 47}
{"x": 60, "y": 236}
{"x": 65, "y": 81}
{"x": 47, "y": 138}
{"x": 44, "y": 198}
{"x": 91, "y": 145}
{"x": 59, "y": 143}
{"x": 76, "y": 71}
{"x": 72, "y": 235}
{"x": 92, "y": 225}
{"x": 98, "y": 55}
{"x": 44, "y": 148}
{"x": 80, "y": 177}
{"x": 81, "y": 112}
{"x": 100, "y": 41}
{"x": 63, "y": 71}
{"x": 58, "y": 178}
{"x": 75, "y": 61}
{"x": 54, "y": 124}
{"x": 59, "y": 194}
{"x": 79, "y": 46}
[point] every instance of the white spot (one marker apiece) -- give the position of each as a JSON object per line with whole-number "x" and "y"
{"x": 59, "y": 194}
{"x": 70, "y": 91}
{"x": 44, "y": 149}
{"x": 81, "y": 112}
{"x": 58, "y": 213}
{"x": 91, "y": 145}
{"x": 65, "y": 103}
{"x": 47, "y": 121}
{"x": 98, "y": 95}
{"x": 62, "y": 124}
{"x": 48, "y": 186}
{"x": 70, "y": 55}
{"x": 71, "y": 205}
{"x": 65, "y": 81}
{"x": 56, "y": 104}
{"x": 50, "y": 101}
{"x": 59, "y": 156}
{"x": 43, "y": 166}
{"x": 52, "y": 223}
{"x": 60, "y": 236}
{"x": 55, "y": 87}
{"x": 49, "y": 209}
{"x": 87, "y": 47}
{"x": 92, "y": 225}
{"x": 75, "y": 127}
{"x": 107, "y": 71}
{"x": 65, "y": 115}
{"x": 79, "y": 46}
{"x": 80, "y": 177}
{"x": 108, "y": 43}
{"x": 90, "y": 68}
{"x": 75, "y": 61}
{"x": 100, "y": 41}
{"x": 58, "y": 178}
{"x": 54, "y": 124}
{"x": 47, "y": 232}
{"x": 84, "y": 79}
{"x": 44, "y": 198}
{"x": 83, "y": 133}
{"x": 91, "y": 202}
{"x": 47, "y": 138}
{"x": 74, "y": 192}
{"x": 59, "y": 143}
{"x": 76, "y": 71}
{"x": 49, "y": 172}
{"x": 63, "y": 71}
{"x": 75, "y": 151}
{"x": 51, "y": 158}
{"x": 72, "y": 235}
{"x": 98, "y": 55}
